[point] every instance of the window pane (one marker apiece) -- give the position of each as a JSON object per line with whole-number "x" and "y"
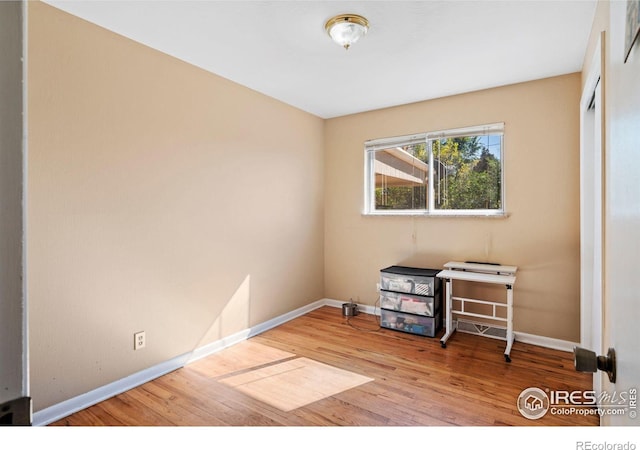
{"x": 401, "y": 177}
{"x": 467, "y": 172}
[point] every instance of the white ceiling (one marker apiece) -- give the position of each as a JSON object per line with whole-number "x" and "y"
{"x": 415, "y": 50}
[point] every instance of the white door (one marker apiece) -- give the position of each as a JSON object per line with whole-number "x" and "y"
{"x": 622, "y": 225}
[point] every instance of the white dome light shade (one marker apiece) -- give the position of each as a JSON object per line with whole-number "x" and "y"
{"x": 347, "y": 29}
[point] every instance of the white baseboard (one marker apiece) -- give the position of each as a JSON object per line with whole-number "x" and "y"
{"x": 75, "y": 404}
{"x": 547, "y": 342}
{"x": 368, "y": 309}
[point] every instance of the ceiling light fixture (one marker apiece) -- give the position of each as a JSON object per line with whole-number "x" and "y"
{"x": 346, "y": 29}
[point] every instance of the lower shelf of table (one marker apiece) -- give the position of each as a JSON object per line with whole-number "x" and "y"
{"x": 508, "y": 336}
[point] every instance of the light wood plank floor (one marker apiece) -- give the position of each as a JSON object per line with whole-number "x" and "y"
{"x": 416, "y": 382}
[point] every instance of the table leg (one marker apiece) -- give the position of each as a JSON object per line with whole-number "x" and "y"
{"x": 448, "y": 323}
{"x": 510, "y": 336}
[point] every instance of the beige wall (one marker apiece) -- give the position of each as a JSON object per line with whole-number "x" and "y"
{"x": 161, "y": 198}
{"x": 541, "y": 235}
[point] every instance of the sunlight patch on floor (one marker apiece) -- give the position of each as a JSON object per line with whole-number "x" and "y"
{"x": 294, "y": 383}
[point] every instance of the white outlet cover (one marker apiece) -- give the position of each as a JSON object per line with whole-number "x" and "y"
{"x": 139, "y": 340}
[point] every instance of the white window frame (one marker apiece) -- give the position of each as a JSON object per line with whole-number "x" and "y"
{"x": 427, "y": 138}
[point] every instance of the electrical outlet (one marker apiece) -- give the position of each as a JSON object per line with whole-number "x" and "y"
{"x": 139, "y": 340}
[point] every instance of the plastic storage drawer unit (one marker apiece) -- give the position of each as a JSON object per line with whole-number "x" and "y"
{"x": 410, "y": 280}
{"x": 411, "y": 300}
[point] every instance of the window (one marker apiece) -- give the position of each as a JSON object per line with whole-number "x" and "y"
{"x": 452, "y": 172}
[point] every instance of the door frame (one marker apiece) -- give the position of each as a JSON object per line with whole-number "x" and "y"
{"x": 592, "y": 207}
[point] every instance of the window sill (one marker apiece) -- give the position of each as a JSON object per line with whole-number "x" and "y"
{"x": 457, "y": 214}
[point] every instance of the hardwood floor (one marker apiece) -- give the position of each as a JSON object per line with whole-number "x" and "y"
{"x": 416, "y": 382}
